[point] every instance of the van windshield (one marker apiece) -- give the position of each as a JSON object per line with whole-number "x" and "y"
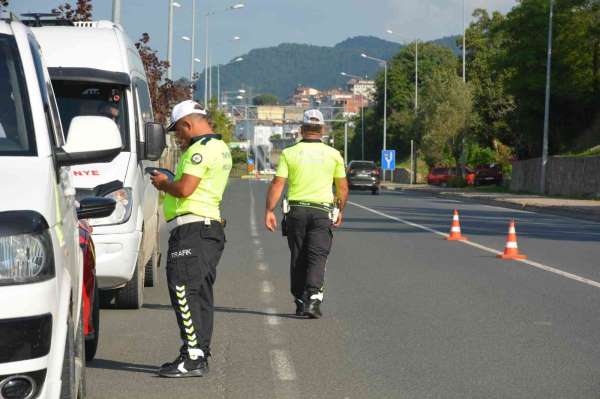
{"x": 16, "y": 130}
{"x": 92, "y": 99}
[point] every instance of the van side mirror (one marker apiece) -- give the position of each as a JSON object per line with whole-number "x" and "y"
{"x": 91, "y": 139}
{"x": 95, "y": 208}
{"x": 156, "y": 141}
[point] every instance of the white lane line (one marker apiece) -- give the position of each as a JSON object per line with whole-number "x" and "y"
{"x": 256, "y": 241}
{"x": 484, "y": 248}
{"x": 267, "y": 287}
{"x": 282, "y": 365}
{"x": 262, "y": 267}
{"x": 272, "y": 320}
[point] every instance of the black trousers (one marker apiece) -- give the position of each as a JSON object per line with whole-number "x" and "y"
{"x": 309, "y": 239}
{"x": 194, "y": 252}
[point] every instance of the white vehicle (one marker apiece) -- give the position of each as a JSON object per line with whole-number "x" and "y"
{"x": 41, "y": 341}
{"x": 96, "y": 70}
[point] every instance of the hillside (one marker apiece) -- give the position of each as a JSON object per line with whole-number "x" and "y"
{"x": 279, "y": 70}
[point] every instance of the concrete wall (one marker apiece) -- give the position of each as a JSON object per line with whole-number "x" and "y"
{"x": 565, "y": 176}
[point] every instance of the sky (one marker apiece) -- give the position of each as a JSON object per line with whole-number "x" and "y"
{"x": 264, "y": 23}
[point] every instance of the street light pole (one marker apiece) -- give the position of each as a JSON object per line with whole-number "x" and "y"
{"x": 172, "y": 4}
{"x": 464, "y": 47}
{"x": 193, "y": 42}
{"x": 116, "y": 12}
{"x": 547, "y": 103}
{"x": 385, "y": 66}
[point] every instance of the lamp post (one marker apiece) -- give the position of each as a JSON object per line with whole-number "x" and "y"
{"x": 116, "y": 11}
{"x": 219, "y": 97}
{"x": 391, "y": 32}
{"x": 170, "y": 39}
{"x": 362, "y": 116}
{"x": 207, "y": 65}
{"x": 193, "y": 42}
{"x": 547, "y": 103}
{"x": 385, "y": 66}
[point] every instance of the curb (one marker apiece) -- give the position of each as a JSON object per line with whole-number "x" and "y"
{"x": 556, "y": 211}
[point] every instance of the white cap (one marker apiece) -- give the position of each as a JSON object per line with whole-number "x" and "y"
{"x": 313, "y": 117}
{"x": 184, "y": 109}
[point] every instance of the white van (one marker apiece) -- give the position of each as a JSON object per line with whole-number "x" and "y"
{"x": 96, "y": 70}
{"x": 41, "y": 341}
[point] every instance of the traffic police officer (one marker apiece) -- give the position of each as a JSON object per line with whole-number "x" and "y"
{"x": 310, "y": 169}
{"x": 197, "y": 238}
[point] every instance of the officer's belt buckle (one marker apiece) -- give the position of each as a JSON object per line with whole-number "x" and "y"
{"x": 187, "y": 219}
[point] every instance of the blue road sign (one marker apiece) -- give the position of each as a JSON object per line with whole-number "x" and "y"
{"x": 388, "y": 159}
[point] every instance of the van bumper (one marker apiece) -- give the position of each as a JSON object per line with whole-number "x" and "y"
{"x": 37, "y": 356}
{"x": 116, "y": 258}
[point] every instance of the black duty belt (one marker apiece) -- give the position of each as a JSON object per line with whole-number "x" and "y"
{"x": 315, "y": 205}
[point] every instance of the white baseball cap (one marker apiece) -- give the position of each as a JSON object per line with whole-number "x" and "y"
{"x": 184, "y": 109}
{"x": 313, "y": 117}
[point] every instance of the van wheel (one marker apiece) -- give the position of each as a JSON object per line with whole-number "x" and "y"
{"x": 151, "y": 270}
{"x": 91, "y": 345}
{"x": 132, "y": 295}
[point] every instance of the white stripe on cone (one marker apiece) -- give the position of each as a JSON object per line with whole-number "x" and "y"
{"x": 512, "y": 245}
{"x": 455, "y": 230}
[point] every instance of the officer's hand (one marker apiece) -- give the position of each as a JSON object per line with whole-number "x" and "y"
{"x": 159, "y": 180}
{"x": 339, "y": 220}
{"x": 270, "y": 221}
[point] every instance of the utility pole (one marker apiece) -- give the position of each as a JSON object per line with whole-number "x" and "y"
{"x": 547, "y": 104}
{"x": 116, "y": 12}
{"x": 193, "y": 42}
{"x": 170, "y": 43}
{"x": 464, "y": 49}
{"x": 346, "y": 142}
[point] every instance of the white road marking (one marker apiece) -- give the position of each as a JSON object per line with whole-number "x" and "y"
{"x": 272, "y": 320}
{"x": 267, "y": 287}
{"x": 256, "y": 241}
{"x": 537, "y": 265}
{"x": 262, "y": 266}
{"x": 282, "y": 365}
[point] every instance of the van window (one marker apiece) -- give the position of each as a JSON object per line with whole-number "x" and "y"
{"x": 77, "y": 98}
{"x": 144, "y": 100}
{"x": 50, "y": 111}
{"x": 16, "y": 127}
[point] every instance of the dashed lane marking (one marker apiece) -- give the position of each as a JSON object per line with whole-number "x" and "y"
{"x": 267, "y": 287}
{"x": 282, "y": 365}
{"x": 262, "y": 267}
{"x": 537, "y": 265}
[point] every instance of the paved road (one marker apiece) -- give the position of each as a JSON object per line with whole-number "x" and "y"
{"x": 407, "y": 314}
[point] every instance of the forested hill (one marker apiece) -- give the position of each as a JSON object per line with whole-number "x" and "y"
{"x": 279, "y": 70}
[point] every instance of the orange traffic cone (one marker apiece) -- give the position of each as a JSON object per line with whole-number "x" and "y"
{"x": 455, "y": 233}
{"x": 511, "y": 250}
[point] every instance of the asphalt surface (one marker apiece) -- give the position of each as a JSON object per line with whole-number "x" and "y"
{"x": 407, "y": 314}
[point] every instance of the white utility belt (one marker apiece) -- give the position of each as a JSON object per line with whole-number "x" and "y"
{"x": 187, "y": 219}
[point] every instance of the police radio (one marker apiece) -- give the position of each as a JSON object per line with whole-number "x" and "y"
{"x": 285, "y": 208}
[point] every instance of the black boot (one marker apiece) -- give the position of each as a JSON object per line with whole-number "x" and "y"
{"x": 184, "y": 367}
{"x": 313, "y": 309}
{"x": 299, "y": 307}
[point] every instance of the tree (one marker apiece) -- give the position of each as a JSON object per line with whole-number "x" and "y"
{"x": 221, "y": 124}
{"x": 446, "y": 116}
{"x": 265, "y": 99}
{"x": 164, "y": 93}
{"x": 81, "y": 12}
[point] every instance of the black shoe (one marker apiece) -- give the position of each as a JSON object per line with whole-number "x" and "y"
{"x": 313, "y": 309}
{"x": 184, "y": 367}
{"x": 299, "y": 307}
{"x": 178, "y": 360}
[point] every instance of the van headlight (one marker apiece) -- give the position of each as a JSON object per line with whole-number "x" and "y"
{"x": 122, "y": 211}
{"x": 26, "y": 258}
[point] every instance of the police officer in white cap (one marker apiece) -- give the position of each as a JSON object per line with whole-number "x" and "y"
{"x": 310, "y": 168}
{"x": 197, "y": 237}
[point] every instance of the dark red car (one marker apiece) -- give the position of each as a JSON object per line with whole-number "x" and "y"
{"x": 488, "y": 174}
{"x": 91, "y": 207}
{"x": 90, "y": 297}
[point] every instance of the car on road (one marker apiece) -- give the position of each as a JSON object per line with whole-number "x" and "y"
{"x": 41, "y": 263}
{"x": 96, "y": 70}
{"x": 488, "y": 174}
{"x": 440, "y": 176}
{"x": 364, "y": 175}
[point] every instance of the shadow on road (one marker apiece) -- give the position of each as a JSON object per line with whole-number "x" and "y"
{"x": 224, "y": 309}
{"x": 220, "y": 309}
{"x": 121, "y": 366}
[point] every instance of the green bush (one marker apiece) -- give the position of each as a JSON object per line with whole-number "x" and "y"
{"x": 238, "y": 156}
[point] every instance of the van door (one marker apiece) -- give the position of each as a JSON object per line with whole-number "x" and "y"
{"x": 143, "y": 108}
